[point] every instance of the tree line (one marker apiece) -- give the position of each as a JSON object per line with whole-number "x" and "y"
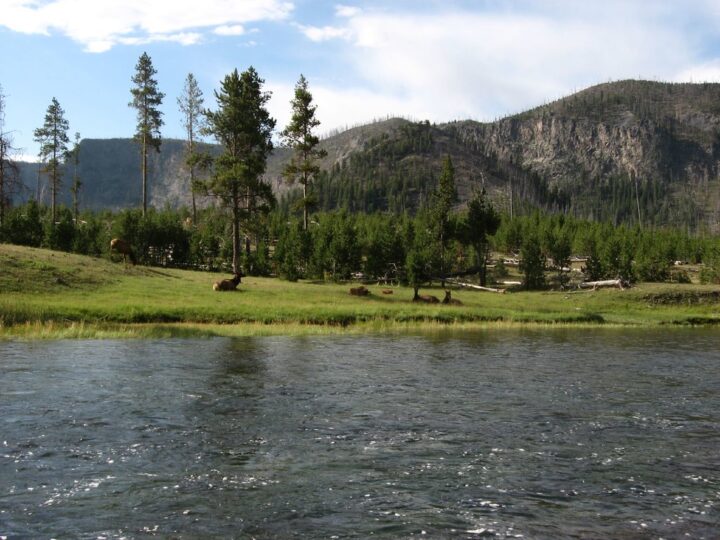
{"x": 382, "y": 247}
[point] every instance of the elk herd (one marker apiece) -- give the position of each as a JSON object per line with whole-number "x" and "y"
{"x": 122, "y": 247}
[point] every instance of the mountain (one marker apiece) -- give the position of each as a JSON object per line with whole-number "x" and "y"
{"x": 622, "y": 151}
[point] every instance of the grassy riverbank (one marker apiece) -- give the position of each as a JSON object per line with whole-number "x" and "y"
{"x": 53, "y": 294}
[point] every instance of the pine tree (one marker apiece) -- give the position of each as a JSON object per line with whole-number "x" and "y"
{"x": 243, "y": 126}
{"x": 9, "y": 170}
{"x": 146, "y": 100}
{"x": 482, "y": 221}
{"x": 299, "y": 136}
{"x": 77, "y": 183}
{"x": 532, "y": 263}
{"x": 443, "y": 200}
{"x": 53, "y": 140}
{"x": 190, "y": 104}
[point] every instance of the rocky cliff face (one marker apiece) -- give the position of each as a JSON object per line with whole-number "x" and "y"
{"x": 659, "y": 141}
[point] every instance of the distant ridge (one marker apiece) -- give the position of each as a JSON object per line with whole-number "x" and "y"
{"x": 599, "y": 153}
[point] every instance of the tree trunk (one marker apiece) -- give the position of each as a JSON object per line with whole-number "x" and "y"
{"x": 192, "y": 194}
{"x": 603, "y": 283}
{"x": 442, "y": 257}
{"x": 236, "y": 235}
{"x": 477, "y": 287}
{"x": 144, "y": 174}
{"x": 54, "y": 183}
{"x": 305, "y": 210}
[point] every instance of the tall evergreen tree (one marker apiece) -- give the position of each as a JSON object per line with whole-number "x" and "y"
{"x": 9, "y": 170}
{"x": 532, "y": 262}
{"x": 190, "y": 104}
{"x": 146, "y": 100}
{"x": 243, "y": 126}
{"x": 299, "y": 136}
{"x": 77, "y": 183}
{"x": 53, "y": 140}
{"x": 482, "y": 221}
{"x": 443, "y": 200}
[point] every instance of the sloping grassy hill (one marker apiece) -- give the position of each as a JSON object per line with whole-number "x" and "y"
{"x": 44, "y": 292}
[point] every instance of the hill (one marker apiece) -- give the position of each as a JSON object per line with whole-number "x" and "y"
{"x": 625, "y": 151}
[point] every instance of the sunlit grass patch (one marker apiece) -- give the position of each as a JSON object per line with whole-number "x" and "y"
{"x": 98, "y": 298}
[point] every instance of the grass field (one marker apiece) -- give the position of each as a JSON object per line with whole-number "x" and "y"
{"x": 53, "y": 294}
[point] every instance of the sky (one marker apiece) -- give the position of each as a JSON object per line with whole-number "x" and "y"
{"x": 437, "y": 60}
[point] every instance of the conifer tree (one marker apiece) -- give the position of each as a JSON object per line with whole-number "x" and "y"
{"x": 482, "y": 221}
{"x": 243, "y": 126}
{"x": 53, "y": 140}
{"x": 299, "y": 136}
{"x": 532, "y": 262}
{"x": 190, "y": 104}
{"x": 443, "y": 200}
{"x": 77, "y": 183}
{"x": 146, "y": 100}
{"x": 9, "y": 170}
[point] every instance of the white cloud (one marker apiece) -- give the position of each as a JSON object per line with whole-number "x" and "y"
{"x": 347, "y": 11}
{"x": 451, "y": 64}
{"x": 230, "y": 30}
{"x": 705, "y": 72}
{"x": 100, "y": 25}
{"x": 324, "y": 33}
{"x": 343, "y": 108}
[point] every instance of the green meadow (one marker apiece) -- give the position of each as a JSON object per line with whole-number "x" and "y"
{"x": 50, "y": 294}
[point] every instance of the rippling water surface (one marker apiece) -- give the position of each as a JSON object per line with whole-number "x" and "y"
{"x": 533, "y": 434}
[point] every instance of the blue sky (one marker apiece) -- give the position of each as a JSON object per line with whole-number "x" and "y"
{"x": 436, "y": 60}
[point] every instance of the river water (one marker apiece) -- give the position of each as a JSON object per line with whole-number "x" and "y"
{"x": 523, "y": 434}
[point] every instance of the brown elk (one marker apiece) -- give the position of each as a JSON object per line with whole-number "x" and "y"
{"x": 427, "y": 298}
{"x": 450, "y": 300}
{"x": 359, "y": 291}
{"x": 227, "y": 284}
{"x": 118, "y": 245}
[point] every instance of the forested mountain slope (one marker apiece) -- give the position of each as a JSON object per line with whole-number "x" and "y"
{"x": 622, "y": 151}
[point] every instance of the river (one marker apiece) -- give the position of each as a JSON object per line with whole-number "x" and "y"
{"x": 499, "y": 433}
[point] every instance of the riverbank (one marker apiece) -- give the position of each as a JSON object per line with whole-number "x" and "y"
{"x": 48, "y": 294}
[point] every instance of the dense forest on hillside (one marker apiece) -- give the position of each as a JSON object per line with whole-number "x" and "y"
{"x": 630, "y": 152}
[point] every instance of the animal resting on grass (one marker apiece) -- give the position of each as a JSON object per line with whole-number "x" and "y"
{"x": 359, "y": 291}
{"x": 450, "y": 300}
{"x": 119, "y": 245}
{"x": 227, "y": 284}
{"x": 427, "y": 298}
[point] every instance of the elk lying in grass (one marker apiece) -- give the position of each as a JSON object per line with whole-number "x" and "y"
{"x": 227, "y": 284}
{"x": 359, "y": 291}
{"x": 427, "y": 298}
{"x": 387, "y": 291}
{"x": 450, "y": 300}
{"x": 118, "y": 245}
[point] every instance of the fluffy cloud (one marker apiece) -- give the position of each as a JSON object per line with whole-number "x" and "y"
{"x": 230, "y": 30}
{"x": 100, "y": 25}
{"x": 705, "y": 72}
{"x": 450, "y": 64}
{"x": 344, "y": 108}
{"x": 347, "y": 11}
{"x": 324, "y": 33}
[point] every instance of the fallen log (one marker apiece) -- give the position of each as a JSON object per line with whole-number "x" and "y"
{"x": 476, "y": 287}
{"x": 603, "y": 283}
